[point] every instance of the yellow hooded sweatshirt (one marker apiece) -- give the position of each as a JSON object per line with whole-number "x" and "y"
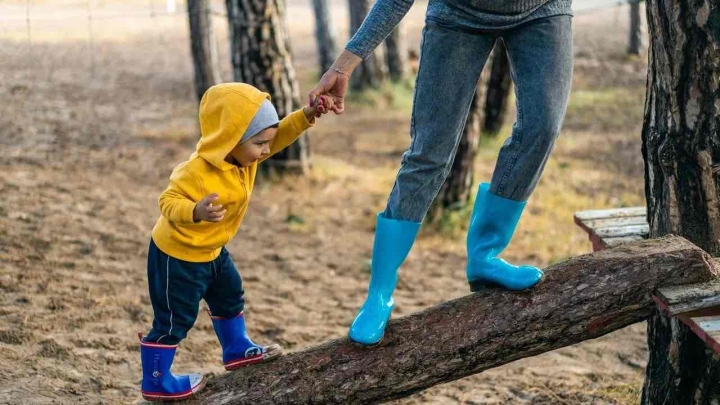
{"x": 225, "y": 113}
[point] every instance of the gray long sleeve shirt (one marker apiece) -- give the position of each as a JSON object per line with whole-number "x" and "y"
{"x": 476, "y": 15}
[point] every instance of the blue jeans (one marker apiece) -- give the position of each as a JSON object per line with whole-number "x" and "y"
{"x": 451, "y": 59}
{"x": 176, "y": 288}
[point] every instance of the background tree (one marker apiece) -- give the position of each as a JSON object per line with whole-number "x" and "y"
{"x": 325, "y": 35}
{"x": 372, "y": 71}
{"x": 260, "y": 52}
{"x": 396, "y": 54}
{"x": 681, "y": 148}
{"x": 203, "y": 46}
{"x": 457, "y": 190}
{"x": 498, "y": 89}
{"x": 635, "y": 41}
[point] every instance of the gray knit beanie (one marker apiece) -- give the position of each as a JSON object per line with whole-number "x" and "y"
{"x": 265, "y": 117}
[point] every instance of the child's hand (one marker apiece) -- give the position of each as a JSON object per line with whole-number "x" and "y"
{"x": 206, "y": 211}
{"x": 323, "y": 106}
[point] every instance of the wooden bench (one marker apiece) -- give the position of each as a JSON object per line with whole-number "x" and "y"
{"x": 607, "y": 228}
{"x": 697, "y": 306}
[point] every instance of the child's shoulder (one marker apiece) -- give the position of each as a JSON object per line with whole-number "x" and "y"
{"x": 194, "y": 166}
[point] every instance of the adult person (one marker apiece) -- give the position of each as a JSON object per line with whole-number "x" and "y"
{"x": 456, "y": 41}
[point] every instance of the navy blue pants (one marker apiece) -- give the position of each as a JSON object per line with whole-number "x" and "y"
{"x": 177, "y": 286}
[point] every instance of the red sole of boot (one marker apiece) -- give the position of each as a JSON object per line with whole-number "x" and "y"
{"x": 173, "y": 398}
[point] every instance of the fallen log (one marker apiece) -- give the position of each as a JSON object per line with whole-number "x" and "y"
{"x": 582, "y": 298}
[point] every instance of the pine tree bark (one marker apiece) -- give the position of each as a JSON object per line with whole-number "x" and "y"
{"x": 325, "y": 35}
{"x": 635, "y": 41}
{"x": 681, "y": 148}
{"x": 260, "y": 52}
{"x": 582, "y": 298}
{"x": 372, "y": 71}
{"x": 498, "y": 90}
{"x": 202, "y": 46}
{"x": 396, "y": 54}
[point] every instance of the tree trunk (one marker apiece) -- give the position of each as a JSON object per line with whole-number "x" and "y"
{"x": 635, "y": 41}
{"x": 457, "y": 190}
{"x": 325, "y": 35}
{"x": 202, "y": 46}
{"x": 396, "y": 54}
{"x": 260, "y": 51}
{"x": 582, "y": 298}
{"x": 371, "y": 72}
{"x": 681, "y": 148}
{"x": 498, "y": 90}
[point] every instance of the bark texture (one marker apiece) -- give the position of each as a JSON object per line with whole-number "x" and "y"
{"x": 681, "y": 144}
{"x": 260, "y": 51}
{"x": 681, "y": 148}
{"x": 581, "y": 298}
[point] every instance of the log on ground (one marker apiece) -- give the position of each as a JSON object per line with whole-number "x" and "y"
{"x": 582, "y": 298}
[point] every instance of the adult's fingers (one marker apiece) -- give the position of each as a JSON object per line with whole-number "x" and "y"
{"x": 338, "y": 105}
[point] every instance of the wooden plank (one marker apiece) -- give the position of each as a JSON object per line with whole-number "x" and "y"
{"x": 610, "y": 242}
{"x": 618, "y": 231}
{"x": 706, "y": 328}
{"x": 611, "y": 213}
{"x": 612, "y": 227}
{"x": 708, "y": 323}
{"x": 686, "y": 298}
{"x": 615, "y": 221}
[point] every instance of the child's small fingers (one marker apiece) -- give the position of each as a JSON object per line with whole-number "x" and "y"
{"x": 214, "y": 208}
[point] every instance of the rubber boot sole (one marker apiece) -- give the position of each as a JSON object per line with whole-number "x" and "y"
{"x": 182, "y": 397}
{"x": 273, "y": 352}
{"x": 479, "y": 285}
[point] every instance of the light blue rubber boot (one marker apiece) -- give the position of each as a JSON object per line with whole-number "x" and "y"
{"x": 393, "y": 240}
{"x": 492, "y": 225}
{"x": 158, "y": 383}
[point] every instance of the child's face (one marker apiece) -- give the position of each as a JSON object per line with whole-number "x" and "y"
{"x": 256, "y": 148}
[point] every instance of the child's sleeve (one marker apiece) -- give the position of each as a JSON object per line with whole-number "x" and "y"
{"x": 289, "y": 130}
{"x": 178, "y": 200}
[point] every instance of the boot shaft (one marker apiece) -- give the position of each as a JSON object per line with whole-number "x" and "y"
{"x": 493, "y": 222}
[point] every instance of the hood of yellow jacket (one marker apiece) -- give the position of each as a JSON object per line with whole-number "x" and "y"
{"x": 226, "y": 111}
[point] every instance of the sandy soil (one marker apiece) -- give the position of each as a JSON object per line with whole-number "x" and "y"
{"x": 96, "y": 113}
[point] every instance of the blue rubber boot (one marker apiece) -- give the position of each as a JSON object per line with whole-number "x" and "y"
{"x": 492, "y": 225}
{"x": 393, "y": 240}
{"x": 158, "y": 383}
{"x": 238, "y": 350}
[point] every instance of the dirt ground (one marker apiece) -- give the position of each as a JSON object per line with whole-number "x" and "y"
{"x": 97, "y": 111}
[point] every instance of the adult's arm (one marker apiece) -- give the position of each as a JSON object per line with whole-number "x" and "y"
{"x": 383, "y": 17}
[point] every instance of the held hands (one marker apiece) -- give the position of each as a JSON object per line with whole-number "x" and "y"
{"x": 334, "y": 83}
{"x": 323, "y": 105}
{"x": 206, "y": 211}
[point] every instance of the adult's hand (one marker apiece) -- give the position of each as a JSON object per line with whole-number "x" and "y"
{"x": 334, "y": 82}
